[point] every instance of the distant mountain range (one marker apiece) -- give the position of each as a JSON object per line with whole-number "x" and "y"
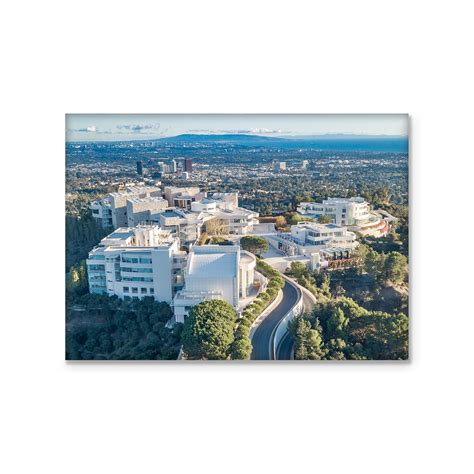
{"x": 228, "y": 138}
{"x": 373, "y": 143}
{"x": 345, "y": 143}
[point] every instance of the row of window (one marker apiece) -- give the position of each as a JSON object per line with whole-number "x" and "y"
{"x": 96, "y": 268}
{"x": 127, "y": 259}
{"x": 137, "y": 270}
{"x": 97, "y": 278}
{"x": 97, "y": 257}
{"x": 147, "y": 279}
{"x": 143, "y": 291}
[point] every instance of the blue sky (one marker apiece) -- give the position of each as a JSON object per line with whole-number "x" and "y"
{"x": 107, "y": 127}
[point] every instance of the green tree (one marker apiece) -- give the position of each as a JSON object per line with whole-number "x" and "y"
{"x": 280, "y": 222}
{"x": 209, "y": 330}
{"x": 241, "y": 348}
{"x": 337, "y": 323}
{"x": 373, "y": 263}
{"x": 298, "y": 269}
{"x": 76, "y": 280}
{"x": 308, "y": 341}
{"x": 395, "y": 267}
{"x": 324, "y": 219}
{"x": 252, "y": 243}
{"x": 295, "y": 218}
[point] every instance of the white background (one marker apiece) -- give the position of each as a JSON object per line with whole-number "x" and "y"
{"x": 246, "y": 56}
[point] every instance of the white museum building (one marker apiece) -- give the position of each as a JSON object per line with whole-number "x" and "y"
{"x": 136, "y": 262}
{"x": 216, "y": 272}
{"x": 353, "y": 212}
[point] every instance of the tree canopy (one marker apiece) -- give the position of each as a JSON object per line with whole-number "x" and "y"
{"x": 324, "y": 219}
{"x": 255, "y": 244}
{"x": 103, "y": 327}
{"x": 209, "y": 330}
{"x": 349, "y": 331}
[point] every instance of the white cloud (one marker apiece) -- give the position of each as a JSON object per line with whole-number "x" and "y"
{"x": 138, "y": 127}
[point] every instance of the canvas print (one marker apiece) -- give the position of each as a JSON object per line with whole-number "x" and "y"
{"x": 237, "y": 237}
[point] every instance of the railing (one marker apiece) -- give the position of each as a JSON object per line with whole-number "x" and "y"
{"x": 282, "y": 327}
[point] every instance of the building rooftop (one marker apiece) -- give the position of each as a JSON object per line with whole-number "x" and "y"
{"x": 139, "y": 236}
{"x": 317, "y": 226}
{"x": 138, "y": 200}
{"x": 212, "y": 265}
{"x": 356, "y": 199}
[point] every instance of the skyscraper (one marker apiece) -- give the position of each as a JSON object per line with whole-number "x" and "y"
{"x": 139, "y": 168}
{"x": 279, "y": 166}
{"x": 188, "y": 165}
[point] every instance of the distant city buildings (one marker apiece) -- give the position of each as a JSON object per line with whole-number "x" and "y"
{"x": 188, "y": 165}
{"x": 279, "y": 166}
{"x": 139, "y": 168}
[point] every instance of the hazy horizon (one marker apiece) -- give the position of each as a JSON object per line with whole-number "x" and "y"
{"x": 124, "y": 127}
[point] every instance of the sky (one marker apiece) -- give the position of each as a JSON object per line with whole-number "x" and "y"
{"x": 112, "y": 127}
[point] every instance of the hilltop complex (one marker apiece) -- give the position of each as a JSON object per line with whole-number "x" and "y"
{"x": 158, "y": 248}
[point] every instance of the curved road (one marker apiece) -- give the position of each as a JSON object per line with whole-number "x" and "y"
{"x": 262, "y": 338}
{"x": 285, "y": 348}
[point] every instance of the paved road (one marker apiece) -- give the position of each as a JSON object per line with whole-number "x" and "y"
{"x": 261, "y": 340}
{"x": 285, "y": 348}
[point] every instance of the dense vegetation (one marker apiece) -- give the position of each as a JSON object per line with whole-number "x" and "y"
{"x": 341, "y": 329}
{"x": 256, "y": 245}
{"x": 82, "y": 231}
{"x": 362, "y": 312}
{"x": 104, "y": 328}
{"x": 209, "y": 331}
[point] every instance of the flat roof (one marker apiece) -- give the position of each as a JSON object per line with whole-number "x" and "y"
{"x": 147, "y": 199}
{"x": 203, "y": 265}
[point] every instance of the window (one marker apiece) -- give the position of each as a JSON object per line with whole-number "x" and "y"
{"x": 152, "y": 291}
{"x": 96, "y": 267}
{"x": 97, "y": 257}
{"x": 126, "y": 297}
{"x": 143, "y": 291}
{"x": 147, "y": 279}
{"x": 145, "y": 260}
{"x": 137, "y": 270}
{"x": 126, "y": 289}
{"x": 134, "y": 290}
{"x": 95, "y": 211}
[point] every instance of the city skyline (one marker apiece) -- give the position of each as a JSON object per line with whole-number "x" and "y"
{"x": 119, "y": 127}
